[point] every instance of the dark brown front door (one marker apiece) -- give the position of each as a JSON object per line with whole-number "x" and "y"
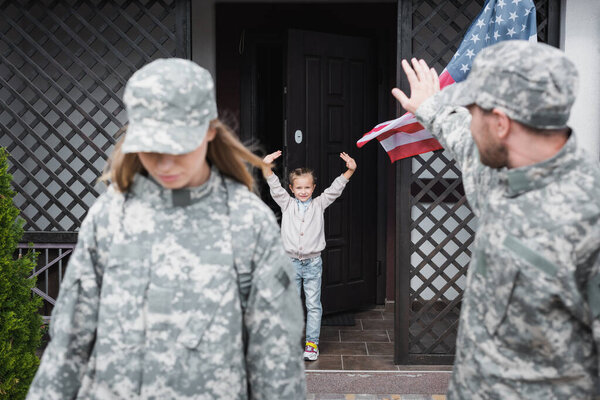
{"x": 331, "y": 101}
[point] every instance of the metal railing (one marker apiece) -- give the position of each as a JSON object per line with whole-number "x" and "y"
{"x": 52, "y": 261}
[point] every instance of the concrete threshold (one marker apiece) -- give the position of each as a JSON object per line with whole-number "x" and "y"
{"x": 430, "y": 382}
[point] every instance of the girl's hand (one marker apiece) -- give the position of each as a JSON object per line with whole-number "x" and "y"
{"x": 269, "y": 158}
{"x": 350, "y": 163}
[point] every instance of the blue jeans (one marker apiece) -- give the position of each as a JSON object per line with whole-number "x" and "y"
{"x": 308, "y": 273}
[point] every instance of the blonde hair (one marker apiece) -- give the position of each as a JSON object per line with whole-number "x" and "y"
{"x": 298, "y": 172}
{"x": 225, "y": 151}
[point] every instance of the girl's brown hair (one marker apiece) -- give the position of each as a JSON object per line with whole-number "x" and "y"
{"x": 225, "y": 151}
{"x": 298, "y": 172}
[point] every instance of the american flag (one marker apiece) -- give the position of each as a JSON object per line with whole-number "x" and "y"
{"x": 498, "y": 20}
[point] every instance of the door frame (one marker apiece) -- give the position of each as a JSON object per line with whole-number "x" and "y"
{"x": 385, "y": 40}
{"x": 248, "y": 133}
{"x": 350, "y": 259}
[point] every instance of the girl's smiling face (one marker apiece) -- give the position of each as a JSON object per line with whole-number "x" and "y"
{"x": 302, "y": 187}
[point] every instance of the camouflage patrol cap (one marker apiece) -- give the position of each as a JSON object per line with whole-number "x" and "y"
{"x": 170, "y": 103}
{"x": 533, "y": 83}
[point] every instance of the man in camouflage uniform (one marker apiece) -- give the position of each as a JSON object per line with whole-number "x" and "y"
{"x": 529, "y": 323}
{"x": 181, "y": 293}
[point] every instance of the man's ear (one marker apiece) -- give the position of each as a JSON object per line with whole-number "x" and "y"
{"x": 500, "y": 124}
{"x": 291, "y": 188}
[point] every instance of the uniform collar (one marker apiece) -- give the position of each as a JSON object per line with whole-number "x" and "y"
{"x": 146, "y": 188}
{"x": 524, "y": 179}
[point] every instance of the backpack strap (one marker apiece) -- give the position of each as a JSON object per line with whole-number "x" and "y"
{"x": 244, "y": 270}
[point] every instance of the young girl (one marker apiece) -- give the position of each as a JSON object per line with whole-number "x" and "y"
{"x": 303, "y": 233}
{"x": 179, "y": 287}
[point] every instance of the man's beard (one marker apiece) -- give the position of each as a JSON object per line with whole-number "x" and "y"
{"x": 494, "y": 156}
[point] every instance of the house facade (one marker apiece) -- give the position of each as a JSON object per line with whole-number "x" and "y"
{"x": 305, "y": 77}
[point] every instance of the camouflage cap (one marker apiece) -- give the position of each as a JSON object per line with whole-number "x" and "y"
{"x": 170, "y": 103}
{"x": 533, "y": 83}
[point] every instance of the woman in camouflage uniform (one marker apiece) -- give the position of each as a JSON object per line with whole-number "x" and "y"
{"x": 179, "y": 287}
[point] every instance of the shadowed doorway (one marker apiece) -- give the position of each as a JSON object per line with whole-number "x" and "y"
{"x": 317, "y": 69}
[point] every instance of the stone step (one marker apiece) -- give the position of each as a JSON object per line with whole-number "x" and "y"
{"x": 413, "y": 382}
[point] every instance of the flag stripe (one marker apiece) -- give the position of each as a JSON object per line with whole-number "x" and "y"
{"x": 408, "y": 129}
{"x": 407, "y": 118}
{"x": 398, "y": 140}
{"x": 446, "y": 79}
{"x": 412, "y": 149}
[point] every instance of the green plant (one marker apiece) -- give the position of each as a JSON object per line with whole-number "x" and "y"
{"x": 20, "y": 321}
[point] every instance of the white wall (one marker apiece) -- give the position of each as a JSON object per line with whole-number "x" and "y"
{"x": 203, "y": 35}
{"x": 580, "y": 39}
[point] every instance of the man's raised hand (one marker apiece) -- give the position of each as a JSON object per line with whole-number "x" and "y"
{"x": 424, "y": 83}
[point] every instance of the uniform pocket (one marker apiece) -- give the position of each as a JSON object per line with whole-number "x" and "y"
{"x": 502, "y": 284}
{"x": 192, "y": 334}
{"x": 491, "y": 285}
{"x": 122, "y": 294}
{"x": 207, "y": 308}
{"x": 532, "y": 257}
{"x": 524, "y": 271}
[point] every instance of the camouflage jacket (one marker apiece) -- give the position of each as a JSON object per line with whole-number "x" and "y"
{"x": 149, "y": 307}
{"x": 529, "y": 323}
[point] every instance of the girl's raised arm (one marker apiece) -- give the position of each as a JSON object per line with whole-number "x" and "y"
{"x": 278, "y": 193}
{"x": 350, "y": 164}
{"x": 336, "y": 188}
{"x": 269, "y": 158}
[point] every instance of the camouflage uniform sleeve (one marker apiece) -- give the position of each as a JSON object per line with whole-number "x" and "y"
{"x": 591, "y": 249}
{"x": 73, "y": 324}
{"x": 274, "y": 321}
{"x": 594, "y": 301}
{"x": 451, "y": 126}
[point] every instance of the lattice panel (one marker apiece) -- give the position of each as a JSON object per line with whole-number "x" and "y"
{"x": 542, "y": 16}
{"x": 63, "y": 67}
{"x": 443, "y": 225}
{"x": 442, "y": 230}
{"x": 439, "y": 27}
